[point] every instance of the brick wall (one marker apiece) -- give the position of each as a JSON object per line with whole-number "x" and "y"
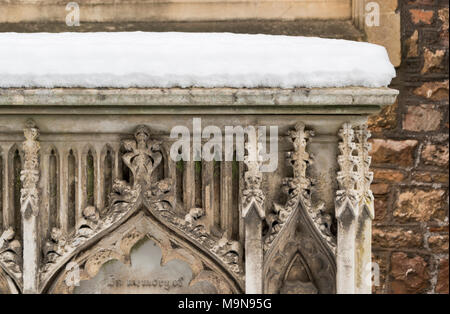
{"x": 410, "y": 159}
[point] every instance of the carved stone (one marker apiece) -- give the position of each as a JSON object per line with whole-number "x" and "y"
{"x": 354, "y": 211}
{"x": 11, "y": 255}
{"x": 299, "y": 229}
{"x": 253, "y": 212}
{"x": 366, "y": 214}
{"x": 98, "y": 182}
{"x": 29, "y": 207}
{"x": 142, "y": 157}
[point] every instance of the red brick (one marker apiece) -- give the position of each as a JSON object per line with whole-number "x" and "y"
{"x": 438, "y": 243}
{"x": 392, "y": 152}
{"x": 418, "y": 205}
{"x": 410, "y": 275}
{"x": 380, "y": 204}
{"x": 430, "y": 177}
{"x": 380, "y": 188}
{"x": 395, "y": 238}
{"x": 385, "y": 120}
{"x": 435, "y": 91}
{"x": 442, "y": 280}
{"x": 422, "y": 118}
{"x": 432, "y": 60}
{"x": 387, "y": 175}
{"x": 438, "y": 229}
{"x": 423, "y": 2}
{"x": 421, "y": 16}
{"x": 435, "y": 155}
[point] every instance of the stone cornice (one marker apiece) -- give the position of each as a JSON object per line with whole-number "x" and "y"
{"x": 349, "y": 100}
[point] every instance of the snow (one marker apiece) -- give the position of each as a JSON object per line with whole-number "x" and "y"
{"x": 140, "y": 59}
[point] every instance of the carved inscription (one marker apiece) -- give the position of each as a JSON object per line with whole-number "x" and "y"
{"x": 144, "y": 275}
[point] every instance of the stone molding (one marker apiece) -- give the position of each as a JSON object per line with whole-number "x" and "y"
{"x": 352, "y": 100}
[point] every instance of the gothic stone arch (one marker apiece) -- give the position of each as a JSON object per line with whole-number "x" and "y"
{"x": 143, "y": 199}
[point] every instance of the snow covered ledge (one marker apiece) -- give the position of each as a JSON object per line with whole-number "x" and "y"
{"x": 80, "y": 114}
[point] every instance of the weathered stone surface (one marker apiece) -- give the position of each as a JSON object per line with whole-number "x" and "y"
{"x": 352, "y": 100}
{"x": 438, "y": 243}
{"x": 339, "y": 29}
{"x": 395, "y": 237}
{"x": 385, "y": 120}
{"x": 421, "y": 16}
{"x": 432, "y": 60}
{"x": 382, "y": 175}
{"x": 21, "y": 11}
{"x": 145, "y": 274}
{"x": 410, "y": 275}
{"x": 435, "y": 91}
{"x": 420, "y": 205}
{"x": 399, "y": 153}
{"x": 442, "y": 279}
{"x": 435, "y": 155}
{"x": 140, "y": 156}
{"x": 422, "y": 118}
{"x": 411, "y": 44}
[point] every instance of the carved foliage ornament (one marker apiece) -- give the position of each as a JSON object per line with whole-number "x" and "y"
{"x": 11, "y": 254}
{"x": 299, "y": 231}
{"x": 298, "y": 189}
{"x": 347, "y": 176}
{"x": 11, "y": 249}
{"x": 29, "y": 194}
{"x": 354, "y": 178}
{"x": 253, "y": 196}
{"x": 365, "y": 175}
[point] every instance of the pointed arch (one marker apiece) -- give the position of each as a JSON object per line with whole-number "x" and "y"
{"x": 118, "y": 246}
{"x": 143, "y": 195}
{"x": 300, "y": 239}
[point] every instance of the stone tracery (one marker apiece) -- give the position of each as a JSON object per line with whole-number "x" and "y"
{"x": 143, "y": 156}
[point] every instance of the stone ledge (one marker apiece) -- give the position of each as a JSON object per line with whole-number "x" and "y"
{"x": 352, "y": 100}
{"x": 338, "y": 29}
{"x": 20, "y": 11}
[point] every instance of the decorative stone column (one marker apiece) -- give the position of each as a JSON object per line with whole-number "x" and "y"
{"x": 365, "y": 214}
{"x": 354, "y": 212}
{"x": 29, "y": 202}
{"x": 253, "y": 213}
{"x": 346, "y": 212}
